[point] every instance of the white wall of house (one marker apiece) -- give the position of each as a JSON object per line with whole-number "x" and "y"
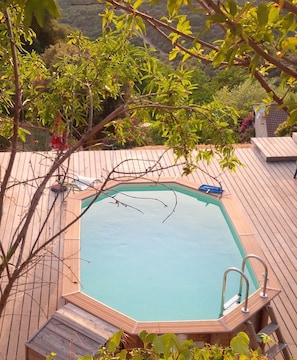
{"x": 260, "y": 120}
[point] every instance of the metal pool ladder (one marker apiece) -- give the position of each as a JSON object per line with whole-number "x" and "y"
{"x": 236, "y": 299}
{"x": 257, "y": 339}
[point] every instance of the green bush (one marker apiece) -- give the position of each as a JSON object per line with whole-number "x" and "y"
{"x": 169, "y": 347}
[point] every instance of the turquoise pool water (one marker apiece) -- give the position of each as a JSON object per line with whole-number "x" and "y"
{"x": 159, "y": 253}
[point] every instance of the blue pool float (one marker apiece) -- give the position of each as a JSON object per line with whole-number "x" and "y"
{"x": 211, "y": 189}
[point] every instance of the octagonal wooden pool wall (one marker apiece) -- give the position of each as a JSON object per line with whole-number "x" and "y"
{"x": 219, "y": 330}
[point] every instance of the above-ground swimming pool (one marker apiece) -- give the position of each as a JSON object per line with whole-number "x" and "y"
{"x": 154, "y": 258}
{"x": 159, "y": 252}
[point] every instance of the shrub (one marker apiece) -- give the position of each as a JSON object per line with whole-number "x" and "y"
{"x": 169, "y": 347}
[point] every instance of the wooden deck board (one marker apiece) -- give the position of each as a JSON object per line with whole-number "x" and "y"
{"x": 265, "y": 191}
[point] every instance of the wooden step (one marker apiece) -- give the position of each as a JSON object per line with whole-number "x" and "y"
{"x": 279, "y": 345}
{"x": 275, "y": 349}
{"x": 269, "y": 329}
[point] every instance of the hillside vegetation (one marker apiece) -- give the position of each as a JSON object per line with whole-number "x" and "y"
{"x": 85, "y": 16}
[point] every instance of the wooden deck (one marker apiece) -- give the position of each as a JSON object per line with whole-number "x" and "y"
{"x": 265, "y": 191}
{"x": 276, "y": 148}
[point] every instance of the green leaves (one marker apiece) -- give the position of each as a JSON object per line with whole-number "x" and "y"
{"x": 173, "y": 6}
{"x": 263, "y": 14}
{"x": 39, "y": 9}
{"x": 52, "y": 356}
{"x": 240, "y": 344}
{"x": 114, "y": 341}
{"x": 169, "y": 347}
{"x": 290, "y": 43}
{"x": 259, "y": 38}
{"x": 232, "y": 6}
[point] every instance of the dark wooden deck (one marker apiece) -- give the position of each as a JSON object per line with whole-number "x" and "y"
{"x": 265, "y": 191}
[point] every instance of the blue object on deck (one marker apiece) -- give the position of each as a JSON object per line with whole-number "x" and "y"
{"x": 211, "y": 189}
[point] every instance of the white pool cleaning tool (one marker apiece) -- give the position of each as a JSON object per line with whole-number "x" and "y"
{"x": 83, "y": 182}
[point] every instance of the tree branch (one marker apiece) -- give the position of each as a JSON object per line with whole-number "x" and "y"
{"x": 17, "y": 109}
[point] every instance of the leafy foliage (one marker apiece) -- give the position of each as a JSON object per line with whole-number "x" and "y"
{"x": 52, "y": 32}
{"x": 259, "y": 38}
{"x": 81, "y": 84}
{"x": 169, "y": 347}
{"x": 242, "y": 97}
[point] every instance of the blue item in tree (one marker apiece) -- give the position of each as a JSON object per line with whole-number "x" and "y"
{"x": 211, "y": 189}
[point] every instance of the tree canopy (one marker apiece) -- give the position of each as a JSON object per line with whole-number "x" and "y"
{"x": 81, "y": 83}
{"x": 259, "y": 37}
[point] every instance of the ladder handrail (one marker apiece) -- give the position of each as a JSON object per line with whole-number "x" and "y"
{"x": 247, "y": 257}
{"x": 243, "y": 276}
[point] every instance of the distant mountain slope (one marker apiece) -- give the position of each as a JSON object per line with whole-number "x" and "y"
{"x": 84, "y": 15}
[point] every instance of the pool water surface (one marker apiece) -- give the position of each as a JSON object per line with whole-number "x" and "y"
{"x": 159, "y": 253}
